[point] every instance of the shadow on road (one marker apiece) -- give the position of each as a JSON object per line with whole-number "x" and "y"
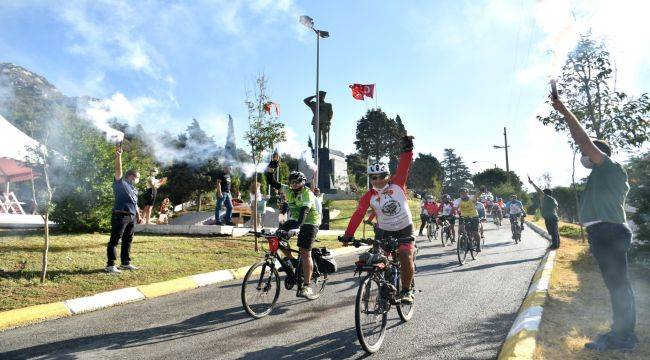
{"x": 337, "y": 345}
{"x": 69, "y": 349}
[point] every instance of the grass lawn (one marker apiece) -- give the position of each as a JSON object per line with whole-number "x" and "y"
{"x": 578, "y": 306}
{"x": 76, "y": 263}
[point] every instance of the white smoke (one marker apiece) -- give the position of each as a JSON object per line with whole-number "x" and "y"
{"x": 621, "y": 24}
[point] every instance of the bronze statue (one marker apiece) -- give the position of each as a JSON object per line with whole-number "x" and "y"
{"x": 325, "y": 117}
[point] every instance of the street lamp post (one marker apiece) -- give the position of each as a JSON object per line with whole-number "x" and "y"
{"x": 309, "y": 22}
{"x": 489, "y": 162}
{"x": 505, "y": 138}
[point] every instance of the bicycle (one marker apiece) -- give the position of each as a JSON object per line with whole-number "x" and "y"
{"x": 445, "y": 231}
{"x": 464, "y": 245}
{"x": 496, "y": 218}
{"x": 432, "y": 228}
{"x": 261, "y": 286}
{"x": 378, "y": 291}
{"x": 516, "y": 228}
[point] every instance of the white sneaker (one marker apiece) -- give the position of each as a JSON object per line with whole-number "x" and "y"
{"x": 306, "y": 292}
{"x": 112, "y": 270}
{"x": 128, "y": 267}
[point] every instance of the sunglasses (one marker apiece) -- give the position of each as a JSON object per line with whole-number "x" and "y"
{"x": 378, "y": 177}
{"x": 295, "y": 182}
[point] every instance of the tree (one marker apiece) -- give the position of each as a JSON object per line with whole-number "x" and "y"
{"x": 588, "y": 88}
{"x": 357, "y": 169}
{"x": 493, "y": 177}
{"x": 639, "y": 197}
{"x": 399, "y": 131}
{"x": 426, "y": 174}
{"x": 375, "y": 135}
{"x": 264, "y": 131}
{"x": 457, "y": 174}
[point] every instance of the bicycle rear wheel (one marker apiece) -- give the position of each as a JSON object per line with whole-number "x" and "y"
{"x": 461, "y": 248}
{"x": 260, "y": 289}
{"x": 472, "y": 247}
{"x": 370, "y": 314}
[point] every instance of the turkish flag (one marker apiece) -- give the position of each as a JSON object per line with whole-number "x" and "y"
{"x": 359, "y": 91}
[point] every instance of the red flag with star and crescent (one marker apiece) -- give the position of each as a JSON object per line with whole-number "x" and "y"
{"x": 360, "y": 91}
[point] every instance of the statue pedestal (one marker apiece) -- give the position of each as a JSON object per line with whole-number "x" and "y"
{"x": 325, "y": 171}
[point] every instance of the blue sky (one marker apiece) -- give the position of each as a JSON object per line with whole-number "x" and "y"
{"x": 457, "y": 72}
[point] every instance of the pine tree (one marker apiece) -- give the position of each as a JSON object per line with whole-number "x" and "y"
{"x": 457, "y": 174}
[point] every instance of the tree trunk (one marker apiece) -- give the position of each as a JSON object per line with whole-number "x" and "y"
{"x": 254, "y": 209}
{"x": 200, "y": 200}
{"x": 47, "y": 243}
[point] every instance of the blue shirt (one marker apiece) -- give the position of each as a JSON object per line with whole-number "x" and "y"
{"x": 126, "y": 197}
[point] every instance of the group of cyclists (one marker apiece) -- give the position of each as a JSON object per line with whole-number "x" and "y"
{"x": 387, "y": 199}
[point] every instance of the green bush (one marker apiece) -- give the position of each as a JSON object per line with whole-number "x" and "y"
{"x": 569, "y": 231}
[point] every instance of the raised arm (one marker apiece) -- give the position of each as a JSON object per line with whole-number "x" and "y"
{"x": 405, "y": 160}
{"x": 118, "y": 162}
{"x": 539, "y": 191}
{"x": 578, "y": 133}
{"x": 308, "y": 100}
{"x": 358, "y": 214}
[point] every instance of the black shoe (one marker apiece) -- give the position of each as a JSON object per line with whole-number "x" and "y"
{"x": 420, "y": 234}
{"x": 218, "y": 223}
{"x": 230, "y": 223}
{"x": 611, "y": 341}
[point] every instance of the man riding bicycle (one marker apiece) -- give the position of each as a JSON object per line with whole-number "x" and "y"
{"x": 389, "y": 200}
{"x": 496, "y": 211}
{"x": 448, "y": 212}
{"x": 515, "y": 209}
{"x": 303, "y": 217}
{"x": 429, "y": 212}
{"x": 466, "y": 205}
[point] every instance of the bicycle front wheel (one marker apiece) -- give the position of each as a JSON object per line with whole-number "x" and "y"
{"x": 260, "y": 289}
{"x": 370, "y": 314}
{"x": 430, "y": 232}
{"x": 405, "y": 311}
{"x": 462, "y": 248}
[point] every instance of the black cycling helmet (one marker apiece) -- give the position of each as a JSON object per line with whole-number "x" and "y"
{"x": 297, "y": 176}
{"x": 464, "y": 190}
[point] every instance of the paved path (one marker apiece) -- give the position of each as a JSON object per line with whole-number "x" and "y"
{"x": 463, "y": 312}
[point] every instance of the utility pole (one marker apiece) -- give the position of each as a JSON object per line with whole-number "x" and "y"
{"x": 505, "y": 138}
{"x": 505, "y": 147}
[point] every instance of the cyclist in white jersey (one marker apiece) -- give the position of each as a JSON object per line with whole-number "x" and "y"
{"x": 389, "y": 200}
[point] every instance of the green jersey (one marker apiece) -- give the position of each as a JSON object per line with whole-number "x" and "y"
{"x": 296, "y": 201}
{"x": 605, "y": 193}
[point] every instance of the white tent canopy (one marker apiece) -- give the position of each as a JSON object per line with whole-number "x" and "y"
{"x": 13, "y": 142}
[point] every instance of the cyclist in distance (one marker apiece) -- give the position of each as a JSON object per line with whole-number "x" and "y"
{"x": 466, "y": 206}
{"x": 303, "y": 217}
{"x": 448, "y": 212}
{"x": 389, "y": 200}
{"x": 429, "y": 211}
{"x": 515, "y": 209}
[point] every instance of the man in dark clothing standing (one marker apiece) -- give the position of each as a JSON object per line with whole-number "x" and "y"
{"x": 125, "y": 215}
{"x": 548, "y": 206}
{"x": 223, "y": 197}
{"x": 602, "y": 212}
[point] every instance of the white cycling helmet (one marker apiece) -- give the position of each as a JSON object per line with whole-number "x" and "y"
{"x": 378, "y": 168}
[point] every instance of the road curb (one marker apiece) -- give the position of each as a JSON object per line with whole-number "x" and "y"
{"x": 521, "y": 340}
{"x": 34, "y": 314}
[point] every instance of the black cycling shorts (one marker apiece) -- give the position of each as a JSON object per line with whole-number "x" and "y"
{"x": 472, "y": 223}
{"x": 306, "y": 236}
{"x": 450, "y": 218}
{"x": 399, "y": 234}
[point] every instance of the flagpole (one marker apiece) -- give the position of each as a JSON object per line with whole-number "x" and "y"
{"x": 375, "y": 88}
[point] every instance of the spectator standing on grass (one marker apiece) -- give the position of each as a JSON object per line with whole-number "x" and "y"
{"x": 223, "y": 197}
{"x": 602, "y": 212}
{"x": 150, "y": 195}
{"x": 548, "y": 206}
{"x": 125, "y": 215}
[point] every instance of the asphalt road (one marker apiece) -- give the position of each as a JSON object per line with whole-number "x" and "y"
{"x": 463, "y": 312}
